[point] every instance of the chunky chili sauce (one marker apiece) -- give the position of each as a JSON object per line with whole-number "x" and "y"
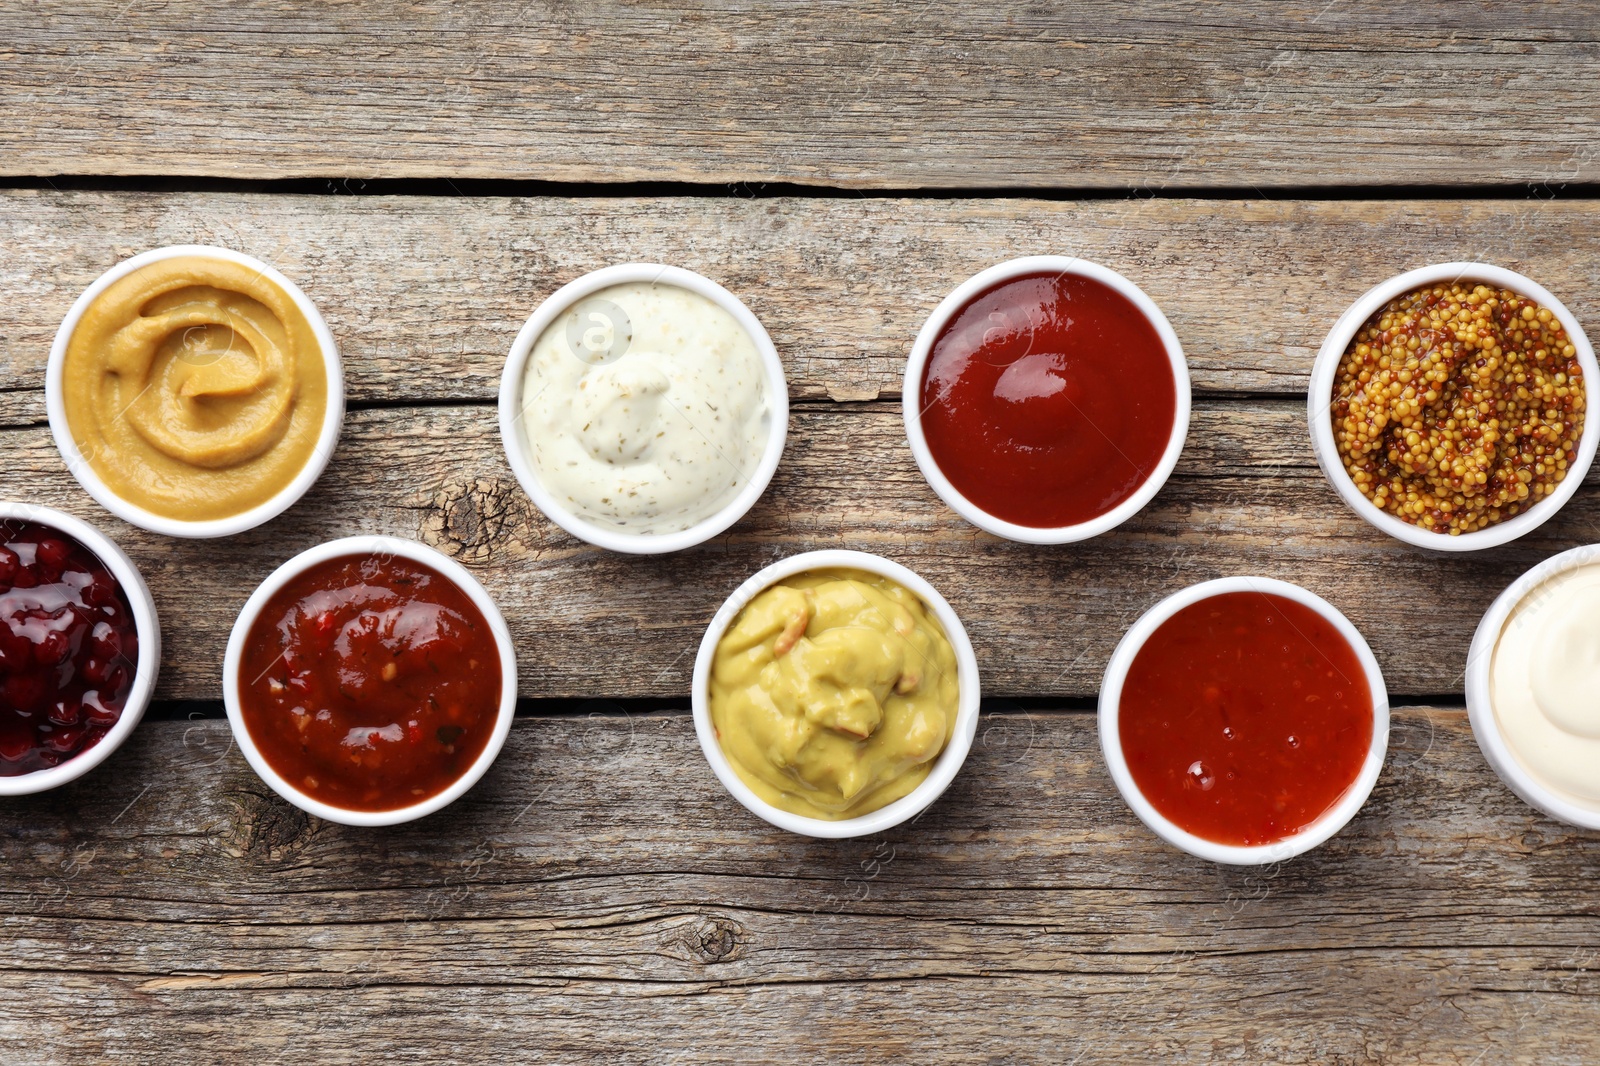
{"x": 1244, "y": 717}
{"x": 1048, "y": 400}
{"x": 370, "y": 682}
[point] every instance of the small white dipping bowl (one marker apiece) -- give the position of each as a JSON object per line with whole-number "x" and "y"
{"x": 1319, "y": 406}
{"x": 916, "y": 368}
{"x": 512, "y": 432}
{"x": 945, "y": 767}
{"x": 1480, "y": 707}
{"x": 327, "y": 440}
{"x": 1332, "y": 820}
{"x": 146, "y": 624}
{"x": 381, "y": 546}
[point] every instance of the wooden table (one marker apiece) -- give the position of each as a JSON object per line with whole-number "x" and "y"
{"x": 429, "y": 172}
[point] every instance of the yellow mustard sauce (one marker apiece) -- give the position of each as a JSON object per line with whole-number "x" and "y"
{"x": 195, "y": 388}
{"x": 833, "y": 692}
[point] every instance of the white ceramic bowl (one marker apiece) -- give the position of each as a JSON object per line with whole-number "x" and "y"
{"x": 513, "y": 437}
{"x": 1319, "y": 404}
{"x": 1333, "y": 819}
{"x": 1480, "y": 708}
{"x": 911, "y": 398}
{"x": 145, "y": 669}
{"x": 945, "y": 767}
{"x": 327, "y": 440}
{"x": 382, "y": 546}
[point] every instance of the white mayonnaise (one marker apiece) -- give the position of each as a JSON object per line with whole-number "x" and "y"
{"x": 645, "y": 408}
{"x": 1544, "y": 683}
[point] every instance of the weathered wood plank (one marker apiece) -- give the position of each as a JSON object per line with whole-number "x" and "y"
{"x": 425, "y": 294}
{"x": 1246, "y": 498}
{"x": 598, "y": 894}
{"x": 1099, "y": 94}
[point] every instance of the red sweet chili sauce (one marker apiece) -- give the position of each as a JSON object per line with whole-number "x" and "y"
{"x": 1244, "y": 717}
{"x": 1048, "y": 400}
{"x": 370, "y": 682}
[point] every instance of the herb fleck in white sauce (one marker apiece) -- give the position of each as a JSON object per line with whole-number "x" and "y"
{"x": 647, "y": 422}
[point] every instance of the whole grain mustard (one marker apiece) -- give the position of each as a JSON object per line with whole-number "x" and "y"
{"x": 1458, "y": 406}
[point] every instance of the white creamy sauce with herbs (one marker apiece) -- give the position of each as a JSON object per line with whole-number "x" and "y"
{"x": 650, "y": 421}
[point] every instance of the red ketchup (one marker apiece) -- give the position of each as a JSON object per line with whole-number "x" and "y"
{"x": 370, "y": 682}
{"x": 68, "y": 647}
{"x": 1244, "y": 717}
{"x": 1048, "y": 400}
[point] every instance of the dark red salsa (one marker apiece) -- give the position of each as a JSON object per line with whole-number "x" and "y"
{"x": 370, "y": 682}
{"x": 68, "y": 648}
{"x": 1048, "y": 400}
{"x": 1244, "y": 717}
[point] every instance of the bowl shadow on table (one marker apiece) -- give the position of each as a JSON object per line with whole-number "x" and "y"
{"x": 600, "y": 852}
{"x": 1033, "y": 809}
{"x": 1043, "y": 620}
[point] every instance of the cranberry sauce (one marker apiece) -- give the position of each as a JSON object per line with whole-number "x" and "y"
{"x": 68, "y": 647}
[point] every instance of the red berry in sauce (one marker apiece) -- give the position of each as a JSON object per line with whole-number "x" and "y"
{"x": 95, "y": 671}
{"x": 101, "y": 591}
{"x": 66, "y": 712}
{"x": 50, "y": 556}
{"x": 118, "y": 679}
{"x": 63, "y": 617}
{"x": 52, "y": 648}
{"x": 65, "y": 739}
{"x": 101, "y": 709}
{"x": 15, "y": 652}
{"x": 16, "y": 746}
{"x": 107, "y": 642}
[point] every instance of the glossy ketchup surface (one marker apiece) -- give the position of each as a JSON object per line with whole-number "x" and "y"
{"x": 1048, "y": 400}
{"x": 370, "y": 682}
{"x": 1244, "y": 717}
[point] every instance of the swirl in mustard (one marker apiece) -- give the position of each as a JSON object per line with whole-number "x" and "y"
{"x": 195, "y": 388}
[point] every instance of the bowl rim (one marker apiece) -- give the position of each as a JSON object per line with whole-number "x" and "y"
{"x": 147, "y": 625}
{"x": 510, "y": 408}
{"x": 1497, "y": 751}
{"x": 945, "y": 767}
{"x": 1319, "y": 404}
{"x": 1330, "y": 821}
{"x": 370, "y": 544}
{"x": 61, "y": 431}
{"x": 922, "y": 348}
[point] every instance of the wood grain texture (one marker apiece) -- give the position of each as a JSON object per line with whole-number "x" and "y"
{"x": 1174, "y": 93}
{"x": 1246, "y": 498}
{"x": 599, "y": 896}
{"x": 425, "y": 294}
